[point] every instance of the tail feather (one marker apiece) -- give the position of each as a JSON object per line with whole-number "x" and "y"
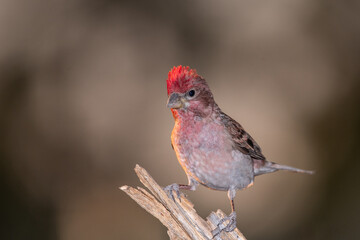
{"x": 269, "y": 167}
{"x": 291, "y": 169}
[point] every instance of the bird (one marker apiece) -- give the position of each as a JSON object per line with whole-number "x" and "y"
{"x": 213, "y": 149}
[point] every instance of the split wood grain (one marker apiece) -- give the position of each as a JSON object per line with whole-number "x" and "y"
{"x": 179, "y": 216}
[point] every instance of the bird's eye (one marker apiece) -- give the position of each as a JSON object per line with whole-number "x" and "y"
{"x": 191, "y": 93}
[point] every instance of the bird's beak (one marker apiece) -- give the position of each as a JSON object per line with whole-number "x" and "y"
{"x": 174, "y": 101}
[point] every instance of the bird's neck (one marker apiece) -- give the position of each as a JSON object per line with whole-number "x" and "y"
{"x": 184, "y": 115}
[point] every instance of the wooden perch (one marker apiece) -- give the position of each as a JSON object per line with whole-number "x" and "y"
{"x": 178, "y": 216}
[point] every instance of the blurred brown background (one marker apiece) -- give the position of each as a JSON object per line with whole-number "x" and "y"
{"x": 83, "y": 94}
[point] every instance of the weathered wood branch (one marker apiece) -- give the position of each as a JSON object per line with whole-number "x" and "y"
{"x": 178, "y": 216}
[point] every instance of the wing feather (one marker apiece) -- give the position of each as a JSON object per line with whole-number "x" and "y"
{"x": 243, "y": 141}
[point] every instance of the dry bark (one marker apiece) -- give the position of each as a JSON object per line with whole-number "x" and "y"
{"x": 178, "y": 216}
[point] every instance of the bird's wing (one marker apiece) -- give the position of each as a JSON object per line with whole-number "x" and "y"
{"x": 242, "y": 140}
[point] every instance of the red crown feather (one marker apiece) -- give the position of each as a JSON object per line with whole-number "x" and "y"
{"x": 180, "y": 79}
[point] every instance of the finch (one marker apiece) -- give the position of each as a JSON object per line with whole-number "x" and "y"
{"x": 213, "y": 149}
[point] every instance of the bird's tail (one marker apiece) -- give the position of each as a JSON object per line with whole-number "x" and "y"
{"x": 269, "y": 167}
{"x": 291, "y": 169}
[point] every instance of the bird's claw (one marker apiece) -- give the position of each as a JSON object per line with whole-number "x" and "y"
{"x": 228, "y": 228}
{"x": 173, "y": 187}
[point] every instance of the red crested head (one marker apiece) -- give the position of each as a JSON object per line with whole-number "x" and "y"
{"x": 188, "y": 92}
{"x": 180, "y": 79}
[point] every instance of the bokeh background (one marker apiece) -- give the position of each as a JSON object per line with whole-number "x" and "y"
{"x": 83, "y": 95}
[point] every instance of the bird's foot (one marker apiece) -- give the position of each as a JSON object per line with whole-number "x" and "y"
{"x": 228, "y": 228}
{"x": 171, "y": 189}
